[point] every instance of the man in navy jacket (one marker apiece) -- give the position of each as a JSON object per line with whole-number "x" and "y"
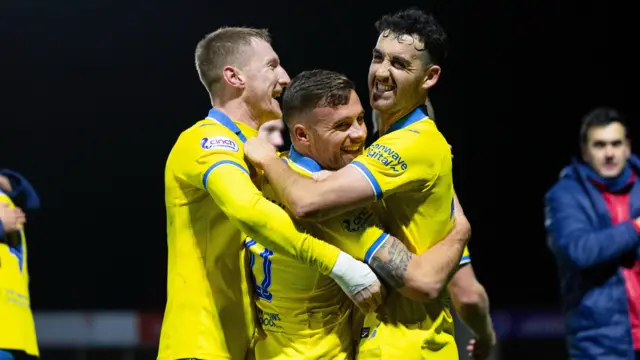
{"x": 593, "y": 226}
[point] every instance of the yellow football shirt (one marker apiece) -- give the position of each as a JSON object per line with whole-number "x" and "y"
{"x": 211, "y": 202}
{"x": 410, "y": 170}
{"x": 17, "y": 329}
{"x": 305, "y": 314}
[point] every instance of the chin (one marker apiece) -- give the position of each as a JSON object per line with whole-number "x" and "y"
{"x": 608, "y": 174}
{"x": 272, "y": 114}
{"x": 382, "y": 105}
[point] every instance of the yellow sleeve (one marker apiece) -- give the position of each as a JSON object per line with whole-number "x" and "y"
{"x": 215, "y": 163}
{"x": 358, "y": 233}
{"x": 402, "y": 161}
{"x": 466, "y": 257}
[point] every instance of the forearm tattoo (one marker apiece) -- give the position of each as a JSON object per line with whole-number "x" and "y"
{"x": 391, "y": 262}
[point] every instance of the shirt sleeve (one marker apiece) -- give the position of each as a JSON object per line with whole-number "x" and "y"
{"x": 401, "y": 161}
{"x": 466, "y": 257}
{"x": 215, "y": 163}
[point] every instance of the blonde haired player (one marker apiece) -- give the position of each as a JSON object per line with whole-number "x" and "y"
{"x": 212, "y": 205}
{"x": 412, "y": 184}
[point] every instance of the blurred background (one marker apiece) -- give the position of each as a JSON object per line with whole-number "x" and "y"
{"x": 96, "y": 92}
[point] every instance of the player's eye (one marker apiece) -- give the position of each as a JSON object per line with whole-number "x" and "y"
{"x": 398, "y": 65}
{"x": 343, "y": 126}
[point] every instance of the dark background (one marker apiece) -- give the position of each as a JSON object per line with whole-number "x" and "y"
{"x": 94, "y": 94}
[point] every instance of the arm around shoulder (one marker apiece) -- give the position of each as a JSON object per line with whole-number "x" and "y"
{"x": 421, "y": 277}
{"x": 310, "y": 199}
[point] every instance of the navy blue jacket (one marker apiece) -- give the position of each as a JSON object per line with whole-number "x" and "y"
{"x": 590, "y": 253}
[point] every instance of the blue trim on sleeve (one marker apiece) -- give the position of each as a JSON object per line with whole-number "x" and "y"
{"x": 18, "y": 253}
{"x": 369, "y": 175}
{"x": 465, "y": 259}
{"x": 374, "y": 247}
{"x": 1, "y": 230}
{"x": 219, "y": 163}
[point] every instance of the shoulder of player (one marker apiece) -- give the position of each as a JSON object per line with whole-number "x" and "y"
{"x": 411, "y": 142}
{"x": 211, "y": 136}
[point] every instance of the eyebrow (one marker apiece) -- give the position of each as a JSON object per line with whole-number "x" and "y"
{"x": 348, "y": 117}
{"x": 397, "y": 58}
{"x": 274, "y": 59}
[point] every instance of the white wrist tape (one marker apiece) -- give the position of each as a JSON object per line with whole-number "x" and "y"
{"x": 352, "y": 275}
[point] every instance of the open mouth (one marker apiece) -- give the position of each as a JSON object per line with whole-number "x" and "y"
{"x": 381, "y": 88}
{"x": 353, "y": 149}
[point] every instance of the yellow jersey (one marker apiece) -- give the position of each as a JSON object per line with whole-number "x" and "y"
{"x": 304, "y": 313}
{"x": 17, "y": 329}
{"x": 211, "y": 202}
{"x": 410, "y": 170}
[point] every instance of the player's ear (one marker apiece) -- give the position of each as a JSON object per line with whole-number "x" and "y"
{"x": 300, "y": 134}
{"x": 233, "y": 76}
{"x": 431, "y": 76}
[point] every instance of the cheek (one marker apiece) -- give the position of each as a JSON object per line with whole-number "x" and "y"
{"x": 598, "y": 155}
{"x": 372, "y": 73}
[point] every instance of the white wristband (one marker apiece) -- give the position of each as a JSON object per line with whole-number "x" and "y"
{"x": 352, "y": 275}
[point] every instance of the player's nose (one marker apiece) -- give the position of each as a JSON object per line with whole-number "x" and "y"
{"x": 357, "y": 134}
{"x": 283, "y": 78}
{"x": 382, "y": 72}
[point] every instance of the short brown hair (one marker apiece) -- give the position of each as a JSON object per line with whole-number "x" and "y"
{"x": 600, "y": 117}
{"x": 221, "y": 48}
{"x": 313, "y": 89}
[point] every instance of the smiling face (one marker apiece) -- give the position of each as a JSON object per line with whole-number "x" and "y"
{"x": 334, "y": 136}
{"x": 264, "y": 79}
{"x": 400, "y": 74}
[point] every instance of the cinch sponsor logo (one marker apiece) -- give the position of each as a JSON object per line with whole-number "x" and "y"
{"x": 387, "y": 156}
{"x": 358, "y": 222}
{"x": 219, "y": 142}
